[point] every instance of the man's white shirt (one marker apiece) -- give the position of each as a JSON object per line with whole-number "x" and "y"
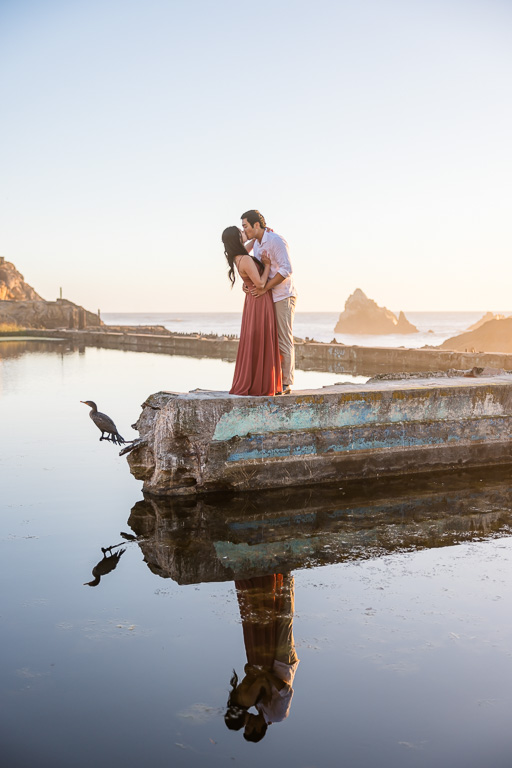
{"x": 277, "y": 248}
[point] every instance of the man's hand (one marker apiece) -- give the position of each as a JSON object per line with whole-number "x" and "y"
{"x": 245, "y": 288}
{"x": 258, "y": 291}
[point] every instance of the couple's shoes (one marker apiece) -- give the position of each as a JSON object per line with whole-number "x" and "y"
{"x": 286, "y": 391}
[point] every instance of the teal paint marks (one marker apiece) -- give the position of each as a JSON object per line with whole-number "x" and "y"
{"x": 371, "y": 439}
{"x": 272, "y": 522}
{"x": 272, "y": 453}
{"x": 366, "y": 407}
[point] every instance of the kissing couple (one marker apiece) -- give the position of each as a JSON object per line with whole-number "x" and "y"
{"x": 265, "y": 362}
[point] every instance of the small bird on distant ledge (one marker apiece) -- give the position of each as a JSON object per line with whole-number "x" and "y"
{"x": 104, "y": 423}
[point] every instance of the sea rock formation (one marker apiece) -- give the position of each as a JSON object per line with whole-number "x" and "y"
{"x": 493, "y": 336}
{"x": 404, "y": 326}
{"x": 47, "y": 314}
{"x": 485, "y": 319}
{"x": 13, "y": 285}
{"x": 363, "y": 315}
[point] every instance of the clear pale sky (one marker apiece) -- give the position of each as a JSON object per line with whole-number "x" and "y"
{"x": 374, "y": 135}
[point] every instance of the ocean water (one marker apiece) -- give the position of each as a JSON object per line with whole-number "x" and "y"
{"x": 433, "y": 327}
{"x": 402, "y": 593}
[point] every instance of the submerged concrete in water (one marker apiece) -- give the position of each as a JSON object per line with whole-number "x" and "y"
{"x": 207, "y": 441}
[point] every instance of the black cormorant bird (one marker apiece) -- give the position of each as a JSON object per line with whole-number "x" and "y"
{"x": 104, "y": 423}
{"x": 105, "y": 565}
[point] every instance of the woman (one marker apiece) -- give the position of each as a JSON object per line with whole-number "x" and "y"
{"x": 258, "y": 365}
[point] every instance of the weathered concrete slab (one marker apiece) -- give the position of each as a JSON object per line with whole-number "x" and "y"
{"x": 209, "y": 441}
{"x": 370, "y": 360}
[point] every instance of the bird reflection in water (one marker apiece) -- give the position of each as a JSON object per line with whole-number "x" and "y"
{"x": 107, "y": 564}
{"x": 266, "y": 607}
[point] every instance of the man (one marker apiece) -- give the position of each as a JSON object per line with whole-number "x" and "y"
{"x": 280, "y": 283}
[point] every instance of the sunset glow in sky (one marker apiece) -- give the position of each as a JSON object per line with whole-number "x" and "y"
{"x": 375, "y": 136}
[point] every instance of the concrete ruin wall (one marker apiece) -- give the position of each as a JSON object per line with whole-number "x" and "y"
{"x": 209, "y": 441}
{"x": 309, "y": 356}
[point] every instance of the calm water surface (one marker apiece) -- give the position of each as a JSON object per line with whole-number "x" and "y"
{"x": 402, "y": 593}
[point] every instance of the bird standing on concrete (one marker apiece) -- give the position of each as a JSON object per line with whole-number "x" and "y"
{"x": 104, "y": 423}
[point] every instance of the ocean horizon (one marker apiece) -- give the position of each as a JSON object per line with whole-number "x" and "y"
{"x": 433, "y": 327}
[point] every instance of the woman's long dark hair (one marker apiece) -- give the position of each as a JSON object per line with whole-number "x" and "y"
{"x": 235, "y": 713}
{"x": 233, "y": 246}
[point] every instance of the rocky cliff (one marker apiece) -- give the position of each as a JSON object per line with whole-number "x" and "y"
{"x": 485, "y": 319}
{"x": 21, "y": 306}
{"x": 13, "y": 286}
{"x": 494, "y": 336}
{"x": 363, "y": 315}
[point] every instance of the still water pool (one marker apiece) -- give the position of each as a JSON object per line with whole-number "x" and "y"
{"x": 402, "y": 595}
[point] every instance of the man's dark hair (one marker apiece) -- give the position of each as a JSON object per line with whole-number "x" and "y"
{"x": 254, "y": 216}
{"x": 256, "y": 734}
{"x": 235, "y": 717}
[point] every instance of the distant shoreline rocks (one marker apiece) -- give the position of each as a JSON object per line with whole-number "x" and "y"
{"x": 13, "y": 286}
{"x": 492, "y": 336}
{"x": 485, "y": 319}
{"x": 21, "y": 307}
{"x": 363, "y": 316}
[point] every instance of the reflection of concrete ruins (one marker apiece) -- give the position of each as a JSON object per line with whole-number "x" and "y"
{"x": 13, "y": 349}
{"x": 238, "y": 537}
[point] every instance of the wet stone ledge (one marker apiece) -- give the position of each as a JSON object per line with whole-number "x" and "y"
{"x": 211, "y": 441}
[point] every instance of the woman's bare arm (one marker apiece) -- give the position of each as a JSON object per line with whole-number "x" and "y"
{"x": 248, "y": 269}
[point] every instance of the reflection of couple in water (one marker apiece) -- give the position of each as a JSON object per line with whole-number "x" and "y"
{"x": 266, "y": 608}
